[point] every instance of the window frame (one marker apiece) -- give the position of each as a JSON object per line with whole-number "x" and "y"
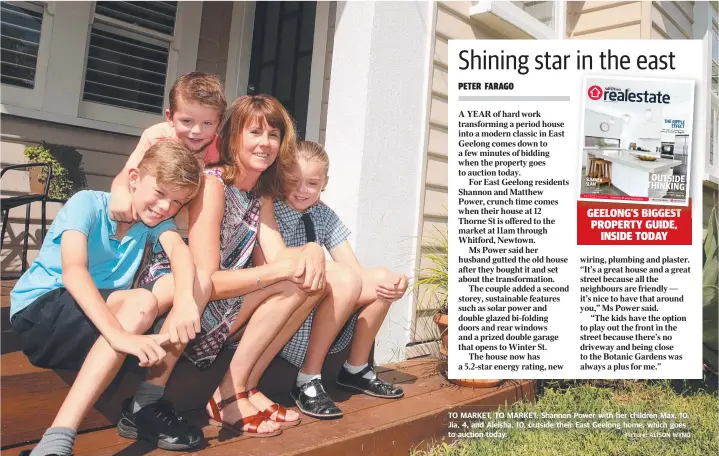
{"x": 712, "y": 162}
{"x": 68, "y": 107}
{"x": 116, "y": 114}
{"x": 23, "y": 96}
{"x": 520, "y": 23}
{"x": 714, "y": 37}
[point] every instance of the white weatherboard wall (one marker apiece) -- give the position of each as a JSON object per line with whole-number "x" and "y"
{"x": 376, "y": 128}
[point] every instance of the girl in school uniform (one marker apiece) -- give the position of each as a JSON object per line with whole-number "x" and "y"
{"x": 356, "y": 299}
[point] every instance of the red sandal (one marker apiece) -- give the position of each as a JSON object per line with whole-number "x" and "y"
{"x": 254, "y": 421}
{"x": 281, "y": 417}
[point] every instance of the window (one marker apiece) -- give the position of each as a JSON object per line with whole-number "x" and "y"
{"x": 157, "y": 16}
{"x": 594, "y": 141}
{"x": 522, "y": 19}
{"x": 20, "y": 43}
{"x": 541, "y": 11}
{"x": 128, "y": 54}
{"x": 111, "y": 62}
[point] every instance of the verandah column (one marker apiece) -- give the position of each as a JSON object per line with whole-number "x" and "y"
{"x": 376, "y": 139}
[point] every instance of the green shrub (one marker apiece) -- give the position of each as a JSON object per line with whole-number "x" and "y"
{"x": 68, "y": 176}
{"x": 710, "y": 291}
{"x": 435, "y": 276}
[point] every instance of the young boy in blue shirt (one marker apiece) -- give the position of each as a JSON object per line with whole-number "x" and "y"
{"x": 74, "y": 306}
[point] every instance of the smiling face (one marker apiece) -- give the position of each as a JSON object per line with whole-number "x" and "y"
{"x": 194, "y": 124}
{"x": 307, "y": 179}
{"x": 259, "y": 146}
{"x": 154, "y": 202}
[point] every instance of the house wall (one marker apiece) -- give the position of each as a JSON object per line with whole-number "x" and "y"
{"x": 630, "y": 20}
{"x": 214, "y": 38}
{"x": 104, "y": 153}
{"x": 605, "y": 20}
{"x": 377, "y": 113}
{"x": 671, "y": 20}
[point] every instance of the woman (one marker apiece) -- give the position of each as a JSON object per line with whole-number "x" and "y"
{"x": 233, "y": 212}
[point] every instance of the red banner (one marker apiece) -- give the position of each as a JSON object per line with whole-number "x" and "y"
{"x": 604, "y": 223}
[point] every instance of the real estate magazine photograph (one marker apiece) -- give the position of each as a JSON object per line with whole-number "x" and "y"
{"x": 636, "y": 142}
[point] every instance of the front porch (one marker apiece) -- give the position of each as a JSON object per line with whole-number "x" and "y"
{"x": 31, "y": 397}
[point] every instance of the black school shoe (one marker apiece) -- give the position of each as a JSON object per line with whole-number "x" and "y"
{"x": 320, "y": 406}
{"x": 158, "y": 423}
{"x": 374, "y": 387}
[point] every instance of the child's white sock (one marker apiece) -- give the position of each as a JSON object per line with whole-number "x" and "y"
{"x": 56, "y": 440}
{"x": 357, "y": 369}
{"x": 303, "y": 378}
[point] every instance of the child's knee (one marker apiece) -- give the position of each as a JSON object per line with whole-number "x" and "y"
{"x": 345, "y": 284}
{"x": 383, "y": 275}
{"x": 292, "y": 291}
{"x": 138, "y": 312}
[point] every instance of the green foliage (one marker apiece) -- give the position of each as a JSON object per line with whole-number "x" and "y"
{"x": 701, "y": 420}
{"x": 68, "y": 176}
{"x": 601, "y": 143}
{"x": 710, "y": 280}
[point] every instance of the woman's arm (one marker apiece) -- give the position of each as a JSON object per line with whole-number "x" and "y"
{"x": 309, "y": 260}
{"x": 184, "y": 320}
{"x": 206, "y": 212}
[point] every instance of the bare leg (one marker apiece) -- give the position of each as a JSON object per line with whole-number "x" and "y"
{"x": 259, "y": 400}
{"x": 344, "y": 287}
{"x": 267, "y": 311}
{"x": 371, "y": 317}
{"x": 164, "y": 291}
{"x": 136, "y": 310}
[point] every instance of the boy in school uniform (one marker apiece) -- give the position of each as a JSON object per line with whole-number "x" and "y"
{"x": 74, "y": 307}
{"x": 197, "y": 105}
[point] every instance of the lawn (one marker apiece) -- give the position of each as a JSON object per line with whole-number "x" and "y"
{"x": 695, "y": 433}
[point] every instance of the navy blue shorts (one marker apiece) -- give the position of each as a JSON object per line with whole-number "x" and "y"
{"x": 55, "y": 332}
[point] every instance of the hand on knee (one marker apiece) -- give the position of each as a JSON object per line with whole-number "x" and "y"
{"x": 391, "y": 286}
{"x": 138, "y": 312}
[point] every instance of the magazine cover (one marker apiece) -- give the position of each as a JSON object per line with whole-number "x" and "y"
{"x": 636, "y": 140}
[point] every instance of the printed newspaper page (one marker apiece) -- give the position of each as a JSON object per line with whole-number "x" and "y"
{"x": 574, "y": 222}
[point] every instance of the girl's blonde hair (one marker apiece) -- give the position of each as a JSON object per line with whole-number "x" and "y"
{"x": 263, "y": 109}
{"x": 310, "y": 150}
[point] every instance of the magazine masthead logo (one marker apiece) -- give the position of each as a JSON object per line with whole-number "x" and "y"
{"x": 616, "y": 94}
{"x": 595, "y": 92}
